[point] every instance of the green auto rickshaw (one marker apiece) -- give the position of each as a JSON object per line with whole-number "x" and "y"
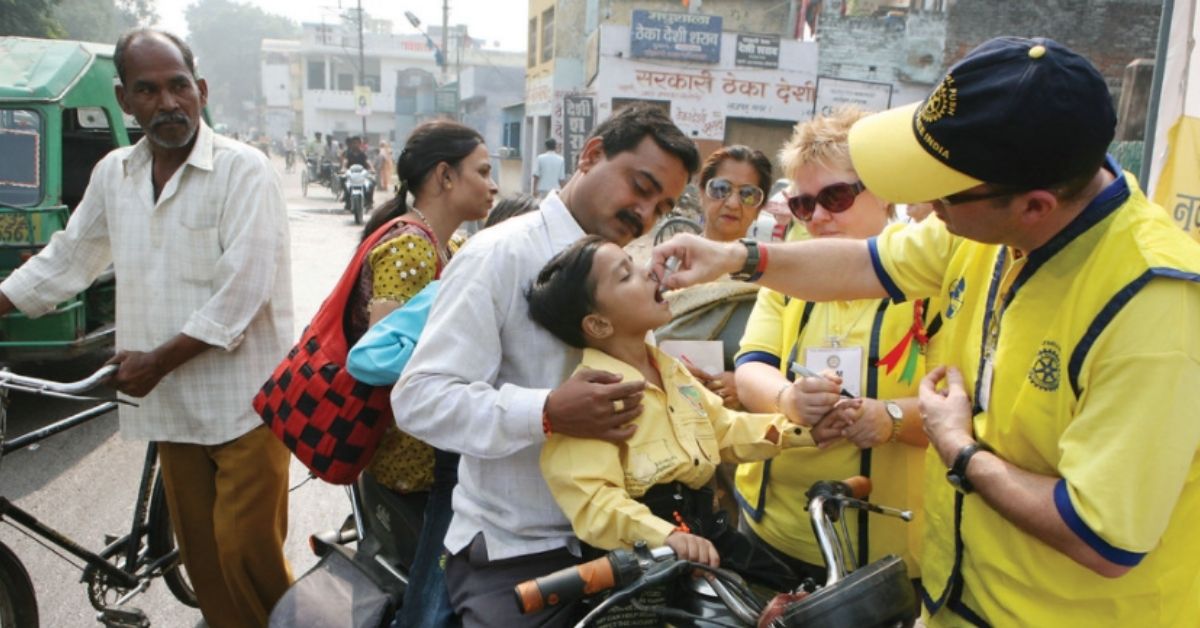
{"x": 58, "y": 117}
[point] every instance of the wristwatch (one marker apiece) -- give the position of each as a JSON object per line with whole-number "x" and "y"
{"x": 957, "y": 474}
{"x": 750, "y": 268}
{"x": 896, "y": 413}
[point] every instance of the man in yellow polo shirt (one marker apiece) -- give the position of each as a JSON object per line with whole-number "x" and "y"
{"x": 1062, "y": 481}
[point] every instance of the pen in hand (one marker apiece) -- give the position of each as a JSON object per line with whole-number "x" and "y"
{"x": 804, "y": 372}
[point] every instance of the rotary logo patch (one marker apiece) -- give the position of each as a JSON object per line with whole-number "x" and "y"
{"x": 942, "y": 103}
{"x": 1047, "y": 367}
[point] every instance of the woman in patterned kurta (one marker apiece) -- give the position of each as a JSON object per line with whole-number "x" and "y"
{"x": 446, "y": 168}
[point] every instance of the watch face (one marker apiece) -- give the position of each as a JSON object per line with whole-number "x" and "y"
{"x": 894, "y": 410}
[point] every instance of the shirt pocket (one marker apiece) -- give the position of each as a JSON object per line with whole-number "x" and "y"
{"x": 694, "y": 432}
{"x": 198, "y": 244}
{"x": 197, "y": 251}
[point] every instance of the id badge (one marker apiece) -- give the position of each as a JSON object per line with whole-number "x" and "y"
{"x": 845, "y": 361}
{"x": 985, "y": 384}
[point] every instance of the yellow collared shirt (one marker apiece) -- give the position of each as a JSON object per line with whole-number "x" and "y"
{"x": 683, "y": 433}
{"x": 1096, "y": 359}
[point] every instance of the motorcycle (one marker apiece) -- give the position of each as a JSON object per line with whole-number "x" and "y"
{"x": 652, "y": 586}
{"x": 365, "y": 582}
{"x": 359, "y": 190}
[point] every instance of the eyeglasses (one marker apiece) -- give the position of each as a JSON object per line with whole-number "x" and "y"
{"x": 835, "y": 198}
{"x": 719, "y": 189}
{"x": 964, "y": 197}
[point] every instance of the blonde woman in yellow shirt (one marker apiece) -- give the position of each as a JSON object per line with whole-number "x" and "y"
{"x": 872, "y": 349}
{"x": 651, "y": 487}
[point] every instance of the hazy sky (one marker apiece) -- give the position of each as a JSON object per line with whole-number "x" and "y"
{"x": 502, "y": 21}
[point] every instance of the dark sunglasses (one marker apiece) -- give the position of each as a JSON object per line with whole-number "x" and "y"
{"x": 835, "y": 198}
{"x": 719, "y": 189}
{"x": 966, "y": 197}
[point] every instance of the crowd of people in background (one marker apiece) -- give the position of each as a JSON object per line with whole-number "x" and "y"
{"x": 1014, "y": 360}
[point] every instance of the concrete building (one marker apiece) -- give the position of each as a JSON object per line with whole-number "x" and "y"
{"x": 910, "y": 47}
{"x": 738, "y": 76}
{"x": 744, "y": 71}
{"x": 309, "y": 84}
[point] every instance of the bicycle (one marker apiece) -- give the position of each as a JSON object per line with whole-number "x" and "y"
{"x": 126, "y": 565}
{"x": 685, "y": 217}
{"x": 878, "y": 594}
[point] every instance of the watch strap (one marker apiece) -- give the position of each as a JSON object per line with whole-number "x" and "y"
{"x": 957, "y": 474}
{"x": 756, "y": 261}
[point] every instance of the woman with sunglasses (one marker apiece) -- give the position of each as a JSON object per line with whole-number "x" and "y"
{"x": 732, "y": 181}
{"x": 861, "y": 363}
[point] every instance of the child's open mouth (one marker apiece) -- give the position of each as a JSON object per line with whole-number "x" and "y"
{"x": 669, "y": 267}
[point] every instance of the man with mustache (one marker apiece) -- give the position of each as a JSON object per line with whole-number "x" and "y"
{"x": 489, "y": 383}
{"x": 195, "y": 227}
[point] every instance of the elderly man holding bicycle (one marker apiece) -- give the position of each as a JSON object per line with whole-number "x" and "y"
{"x": 195, "y": 227}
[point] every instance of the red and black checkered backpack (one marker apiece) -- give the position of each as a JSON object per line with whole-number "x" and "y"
{"x": 331, "y": 421}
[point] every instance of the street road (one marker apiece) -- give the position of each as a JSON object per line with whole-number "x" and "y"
{"x": 83, "y": 482}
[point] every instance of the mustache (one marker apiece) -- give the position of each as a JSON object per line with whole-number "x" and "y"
{"x": 632, "y": 220}
{"x": 174, "y": 117}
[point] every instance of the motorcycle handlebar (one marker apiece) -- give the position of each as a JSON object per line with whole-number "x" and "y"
{"x": 615, "y": 569}
{"x": 859, "y": 485}
{"x": 855, "y": 487}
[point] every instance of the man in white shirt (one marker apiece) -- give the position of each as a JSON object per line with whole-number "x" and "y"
{"x": 549, "y": 173}
{"x": 195, "y": 227}
{"x": 489, "y": 383}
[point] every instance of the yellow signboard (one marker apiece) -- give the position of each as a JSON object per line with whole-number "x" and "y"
{"x": 1178, "y": 189}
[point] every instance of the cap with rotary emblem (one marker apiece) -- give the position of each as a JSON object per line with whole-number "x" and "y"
{"x": 1015, "y": 112}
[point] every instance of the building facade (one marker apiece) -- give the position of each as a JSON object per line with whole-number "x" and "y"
{"x": 728, "y": 71}
{"x": 309, "y": 85}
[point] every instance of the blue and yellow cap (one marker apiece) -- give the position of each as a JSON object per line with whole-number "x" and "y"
{"x": 1026, "y": 113}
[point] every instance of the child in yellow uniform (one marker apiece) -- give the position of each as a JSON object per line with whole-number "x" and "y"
{"x": 651, "y": 487}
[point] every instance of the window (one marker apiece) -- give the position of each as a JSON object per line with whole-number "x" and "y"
{"x": 547, "y": 34}
{"x": 21, "y": 168}
{"x": 345, "y": 82}
{"x": 512, "y": 136}
{"x": 316, "y": 75}
{"x": 532, "y": 48}
{"x": 86, "y": 138}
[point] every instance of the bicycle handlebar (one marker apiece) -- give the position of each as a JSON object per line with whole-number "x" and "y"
{"x": 35, "y": 385}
